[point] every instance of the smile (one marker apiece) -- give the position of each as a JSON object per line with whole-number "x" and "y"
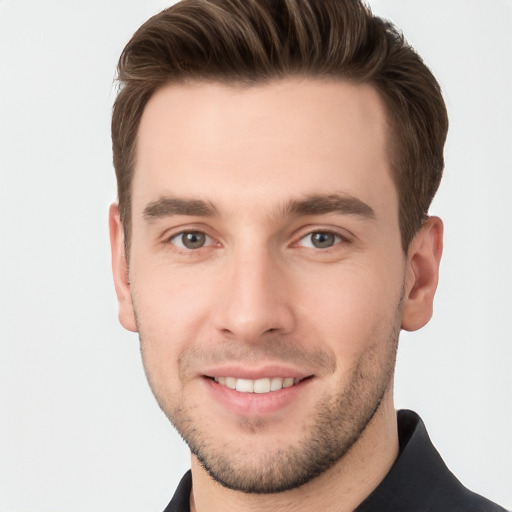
{"x": 265, "y": 385}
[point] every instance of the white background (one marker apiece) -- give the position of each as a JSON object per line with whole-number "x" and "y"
{"x": 79, "y": 429}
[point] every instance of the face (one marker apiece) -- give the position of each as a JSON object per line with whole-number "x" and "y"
{"x": 266, "y": 276}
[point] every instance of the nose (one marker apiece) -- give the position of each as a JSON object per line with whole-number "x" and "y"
{"x": 253, "y": 297}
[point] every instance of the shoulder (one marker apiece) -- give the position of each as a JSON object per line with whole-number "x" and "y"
{"x": 181, "y": 500}
{"x": 419, "y": 481}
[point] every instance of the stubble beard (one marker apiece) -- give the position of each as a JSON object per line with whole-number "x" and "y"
{"x": 338, "y": 421}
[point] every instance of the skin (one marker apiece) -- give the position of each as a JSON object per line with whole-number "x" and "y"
{"x": 258, "y": 298}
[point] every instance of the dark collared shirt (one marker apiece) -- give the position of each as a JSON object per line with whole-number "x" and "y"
{"x": 419, "y": 481}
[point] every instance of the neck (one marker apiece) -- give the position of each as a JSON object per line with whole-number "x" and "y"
{"x": 341, "y": 488}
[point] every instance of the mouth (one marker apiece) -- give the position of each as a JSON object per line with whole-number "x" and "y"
{"x": 267, "y": 393}
{"x": 265, "y": 385}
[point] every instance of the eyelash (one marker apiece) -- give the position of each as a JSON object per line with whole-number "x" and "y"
{"x": 338, "y": 239}
{"x": 182, "y": 248}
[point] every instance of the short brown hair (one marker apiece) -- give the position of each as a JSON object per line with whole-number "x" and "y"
{"x": 255, "y": 41}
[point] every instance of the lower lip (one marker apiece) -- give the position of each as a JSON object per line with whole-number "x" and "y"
{"x": 255, "y": 404}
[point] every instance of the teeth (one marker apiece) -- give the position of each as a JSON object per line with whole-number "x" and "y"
{"x": 276, "y": 384}
{"x": 230, "y": 382}
{"x": 262, "y": 386}
{"x": 245, "y": 385}
{"x": 257, "y": 386}
{"x": 288, "y": 382}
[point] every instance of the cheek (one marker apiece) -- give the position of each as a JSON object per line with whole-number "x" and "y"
{"x": 352, "y": 308}
{"x": 172, "y": 311}
{"x": 168, "y": 299}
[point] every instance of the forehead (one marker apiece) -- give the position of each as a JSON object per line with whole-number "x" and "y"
{"x": 270, "y": 141}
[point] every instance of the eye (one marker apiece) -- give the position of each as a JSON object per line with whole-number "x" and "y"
{"x": 191, "y": 240}
{"x": 320, "y": 240}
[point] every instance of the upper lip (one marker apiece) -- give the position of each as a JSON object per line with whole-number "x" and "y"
{"x": 254, "y": 373}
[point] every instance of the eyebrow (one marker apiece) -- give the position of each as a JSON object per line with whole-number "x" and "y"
{"x": 310, "y": 205}
{"x": 332, "y": 203}
{"x": 169, "y": 206}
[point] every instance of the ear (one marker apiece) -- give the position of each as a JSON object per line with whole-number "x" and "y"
{"x": 120, "y": 270}
{"x": 424, "y": 256}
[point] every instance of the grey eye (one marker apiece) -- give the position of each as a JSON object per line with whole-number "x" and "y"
{"x": 323, "y": 240}
{"x": 190, "y": 240}
{"x": 320, "y": 240}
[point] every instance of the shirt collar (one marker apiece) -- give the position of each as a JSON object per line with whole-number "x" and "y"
{"x": 418, "y": 480}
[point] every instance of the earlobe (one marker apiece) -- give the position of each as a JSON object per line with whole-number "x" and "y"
{"x": 422, "y": 274}
{"x": 120, "y": 270}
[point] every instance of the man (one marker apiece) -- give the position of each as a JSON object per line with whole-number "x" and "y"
{"x": 275, "y": 165}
